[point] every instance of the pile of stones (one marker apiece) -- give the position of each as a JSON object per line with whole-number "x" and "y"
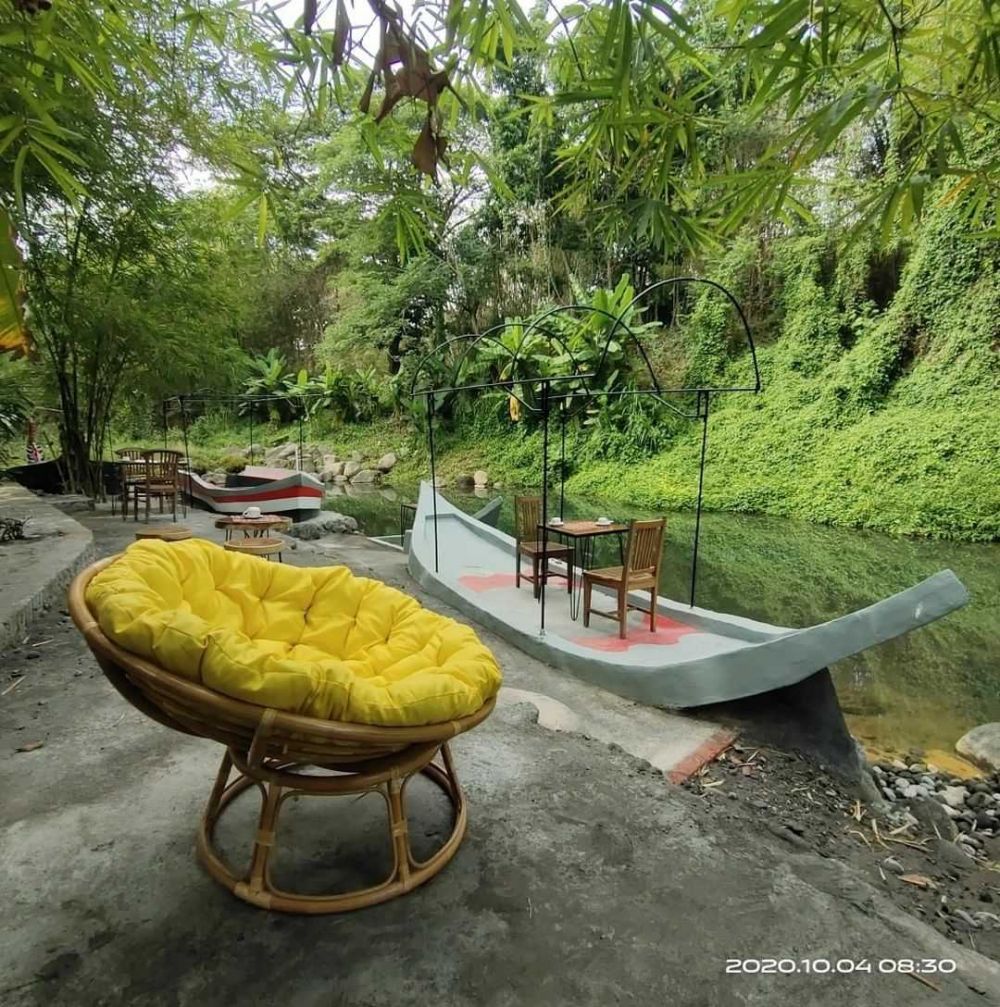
{"x": 973, "y": 806}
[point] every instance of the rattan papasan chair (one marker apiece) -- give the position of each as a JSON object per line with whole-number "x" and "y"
{"x": 318, "y": 682}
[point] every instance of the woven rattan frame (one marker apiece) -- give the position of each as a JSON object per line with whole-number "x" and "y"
{"x": 267, "y": 748}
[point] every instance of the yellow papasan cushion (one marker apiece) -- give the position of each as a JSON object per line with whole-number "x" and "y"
{"x": 317, "y": 641}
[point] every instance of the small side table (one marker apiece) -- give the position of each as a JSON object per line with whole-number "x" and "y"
{"x": 258, "y": 545}
{"x": 252, "y": 527}
{"x": 175, "y": 533}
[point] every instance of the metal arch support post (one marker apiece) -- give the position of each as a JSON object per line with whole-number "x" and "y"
{"x": 562, "y": 462}
{"x": 434, "y": 492}
{"x": 187, "y": 456}
{"x": 703, "y": 398}
{"x": 544, "y": 568}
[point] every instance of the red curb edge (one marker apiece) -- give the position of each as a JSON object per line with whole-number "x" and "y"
{"x": 705, "y": 752}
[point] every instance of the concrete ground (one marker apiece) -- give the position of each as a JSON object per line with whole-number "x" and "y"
{"x": 585, "y": 879}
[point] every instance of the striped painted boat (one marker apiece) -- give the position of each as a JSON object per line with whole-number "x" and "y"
{"x": 274, "y": 491}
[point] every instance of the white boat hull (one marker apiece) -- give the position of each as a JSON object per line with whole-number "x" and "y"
{"x": 695, "y": 657}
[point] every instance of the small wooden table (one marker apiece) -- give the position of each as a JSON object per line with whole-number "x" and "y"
{"x": 175, "y": 533}
{"x": 252, "y": 527}
{"x": 581, "y": 535}
{"x": 258, "y": 545}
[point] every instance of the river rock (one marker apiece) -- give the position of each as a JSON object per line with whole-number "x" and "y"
{"x": 339, "y": 524}
{"x": 981, "y": 745}
{"x": 365, "y": 476}
{"x": 216, "y": 476}
{"x": 284, "y": 451}
{"x": 481, "y": 477}
{"x": 331, "y": 470}
{"x": 308, "y": 531}
{"x": 340, "y": 480}
{"x": 386, "y": 463}
{"x": 949, "y": 853}
{"x": 352, "y": 468}
{"x": 355, "y": 456}
{"x": 464, "y": 479}
{"x": 932, "y": 817}
{"x": 954, "y": 796}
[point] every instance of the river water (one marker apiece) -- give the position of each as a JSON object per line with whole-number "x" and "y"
{"x": 921, "y": 691}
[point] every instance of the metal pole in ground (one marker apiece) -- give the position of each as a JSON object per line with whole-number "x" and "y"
{"x": 543, "y": 569}
{"x": 187, "y": 457}
{"x": 251, "y": 433}
{"x": 434, "y": 497}
{"x": 562, "y": 463}
{"x": 703, "y": 413}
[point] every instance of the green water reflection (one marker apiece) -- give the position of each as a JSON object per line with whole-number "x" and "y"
{"x": 924, "y": 690}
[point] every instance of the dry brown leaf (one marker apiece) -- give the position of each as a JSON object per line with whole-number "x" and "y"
{"x": 424, "y": 154}
{"x": 308, "y": 16}
{"x": 341, "y": 35}
{"x": 919, "y": 880}
{"x": 31, "y": 746}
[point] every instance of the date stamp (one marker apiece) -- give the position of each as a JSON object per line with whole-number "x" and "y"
{"x": 840, "y": 966}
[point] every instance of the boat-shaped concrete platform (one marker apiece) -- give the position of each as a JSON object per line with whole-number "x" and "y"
{"x": 693, "y": 658}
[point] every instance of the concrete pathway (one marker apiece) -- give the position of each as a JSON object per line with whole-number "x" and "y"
{"x": 585, "y": 878}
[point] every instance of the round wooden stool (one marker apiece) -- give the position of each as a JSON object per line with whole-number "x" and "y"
{"x": 175, "y": 533}
{"x": 259, "y": 546}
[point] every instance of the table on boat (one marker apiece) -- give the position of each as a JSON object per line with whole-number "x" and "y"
{"x": 252, "y": 527}
{"x": 582, "y": 535}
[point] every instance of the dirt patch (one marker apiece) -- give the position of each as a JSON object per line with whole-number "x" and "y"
{"x": 923, "y": 872}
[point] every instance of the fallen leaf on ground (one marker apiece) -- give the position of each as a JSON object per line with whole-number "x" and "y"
{"x": 920, "y": 880}
{"x": 31, "y": 746}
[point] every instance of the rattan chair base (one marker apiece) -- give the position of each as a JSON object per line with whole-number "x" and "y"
{"x": 279, "y": 782}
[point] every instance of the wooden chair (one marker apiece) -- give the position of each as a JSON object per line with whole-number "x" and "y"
{"x": 641, "y": 572}
{"x": 161, "y": 479}
{"x": 131, "y": 470}
{"x": 527, "y": 517}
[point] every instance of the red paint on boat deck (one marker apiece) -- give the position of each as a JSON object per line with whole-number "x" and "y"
{"x": 492, "y": 581}
{"x": 708, "y": 750}
{"x": 667, "y": 633}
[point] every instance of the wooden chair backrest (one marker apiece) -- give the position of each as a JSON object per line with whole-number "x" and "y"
{"x": 162, "y": 465}
{"x": 527, "y": 517}
{"x": 131, "y": 454}
{"x": 133, "y": 471}
{"x": 645, "y": 547}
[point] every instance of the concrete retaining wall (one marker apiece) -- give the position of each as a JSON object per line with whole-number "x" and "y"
{"x": 35, "y": 572}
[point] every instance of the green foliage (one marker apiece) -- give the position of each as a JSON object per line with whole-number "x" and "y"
{"x": 352, "y": 396}
{"x": 15, "y": 407}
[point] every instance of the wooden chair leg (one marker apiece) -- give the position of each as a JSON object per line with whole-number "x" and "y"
{"x": 536, "y": 583}
{"x": 517, "y": 568}
{"x": 652, "y": 610}
{"x": 586, "y": 600}
{"x": 135, "y": 503}
{"x": 622, "y": 611}
{"x": 569, "y": 574}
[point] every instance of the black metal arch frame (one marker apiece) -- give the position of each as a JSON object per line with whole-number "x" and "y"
{"x": 702, "y": 395}
{"x": 234, "y": 397}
